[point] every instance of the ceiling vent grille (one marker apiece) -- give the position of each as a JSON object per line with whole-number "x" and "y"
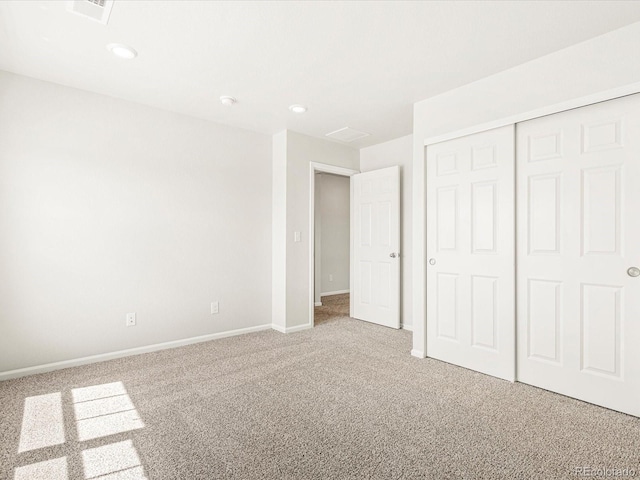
{"x": 346, "y": 135}
{"x": 96, "y": 10}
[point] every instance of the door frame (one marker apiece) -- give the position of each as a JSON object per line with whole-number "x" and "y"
{"x": 419, "y": 342}
{"x": 315, "y": 167}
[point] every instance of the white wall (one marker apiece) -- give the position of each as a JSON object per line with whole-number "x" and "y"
{"x": 109, "y": 207}
{"x": 279, "y": 231}
{"x": 294, "y": 270}
{"x": 600, "y": 64}
{"x": 335, "y": 232}
{"x": 398, "y": 152}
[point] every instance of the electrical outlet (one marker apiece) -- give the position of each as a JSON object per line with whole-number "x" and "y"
{"x": 131, "y": 319}
{"x": 331, "y": 277}
{"x": 215, "y": 308}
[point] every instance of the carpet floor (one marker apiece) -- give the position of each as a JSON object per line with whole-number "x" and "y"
{"x": 344, "y": 400}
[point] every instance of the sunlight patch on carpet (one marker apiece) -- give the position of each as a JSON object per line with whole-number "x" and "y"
{"x": 114, "y": 461}
{"x": 55, "y": 469}
{"x": 42, "y": 422}
{"x": 103, "y": 410}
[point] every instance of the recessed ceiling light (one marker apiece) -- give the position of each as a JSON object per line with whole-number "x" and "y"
{"x": 227, "y": 100}
{"x": 122, "y": 51}
{"x": 298, "y": 108}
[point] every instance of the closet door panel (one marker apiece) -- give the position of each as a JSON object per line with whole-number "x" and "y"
{"x": 470, "y": 243}
{"x": 578, "y": 178}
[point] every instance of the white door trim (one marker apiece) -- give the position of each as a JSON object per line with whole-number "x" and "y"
{"x": 419, "y": 348}
{"x": 315, "y": 167}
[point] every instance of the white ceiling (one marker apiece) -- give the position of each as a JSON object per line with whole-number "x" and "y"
{"x": 353, "y": 63}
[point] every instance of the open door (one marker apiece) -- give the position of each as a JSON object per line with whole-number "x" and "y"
{"x": 376, "y": 246}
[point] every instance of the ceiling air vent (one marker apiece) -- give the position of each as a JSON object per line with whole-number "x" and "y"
{"x": 346, "y": 135}
{"x": 97, "y": 10}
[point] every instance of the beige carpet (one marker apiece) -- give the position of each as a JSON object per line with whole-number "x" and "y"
{"x": 342, "y": 401}
{"x": 334, "y": 309}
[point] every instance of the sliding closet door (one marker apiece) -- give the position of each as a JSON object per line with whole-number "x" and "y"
{"x": 578, "y": 179}
{"x": 470, "y": 247}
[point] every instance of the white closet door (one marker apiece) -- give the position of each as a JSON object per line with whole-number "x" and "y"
{"x": 578, "y": 234}
{"x": 470, "y": 247}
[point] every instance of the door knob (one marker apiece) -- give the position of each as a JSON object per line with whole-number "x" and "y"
{"x": 633, "y": 271}
{"x": 394, "y": 255}
{"x": 432, "y": 261}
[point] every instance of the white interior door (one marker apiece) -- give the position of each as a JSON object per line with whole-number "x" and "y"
{"x": 578, "y": 234}
{"x": 376, "y": 246}
{"x": 470, "y": 247}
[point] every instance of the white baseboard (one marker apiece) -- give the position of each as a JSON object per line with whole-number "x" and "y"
{"x": 337, "y": 292}
{"x": 48, "y": 367}
{"x": 278, "y": 328}
{"x": 408, "y": 328}
{"x": 418, "y": 353}
{"x": 317, "y": 304}
{"x": 297, "y": 328}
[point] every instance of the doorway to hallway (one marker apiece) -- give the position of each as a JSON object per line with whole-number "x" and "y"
{"x": 333, "y": 308}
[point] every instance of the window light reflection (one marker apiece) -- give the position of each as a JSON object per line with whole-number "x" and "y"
{"x": 103, "y": 410}
{"x": 55, "y": 469}
{"x": 117, "y": 460}
{"x": 42, "y": 422}
{"x": 100, "y": 410}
